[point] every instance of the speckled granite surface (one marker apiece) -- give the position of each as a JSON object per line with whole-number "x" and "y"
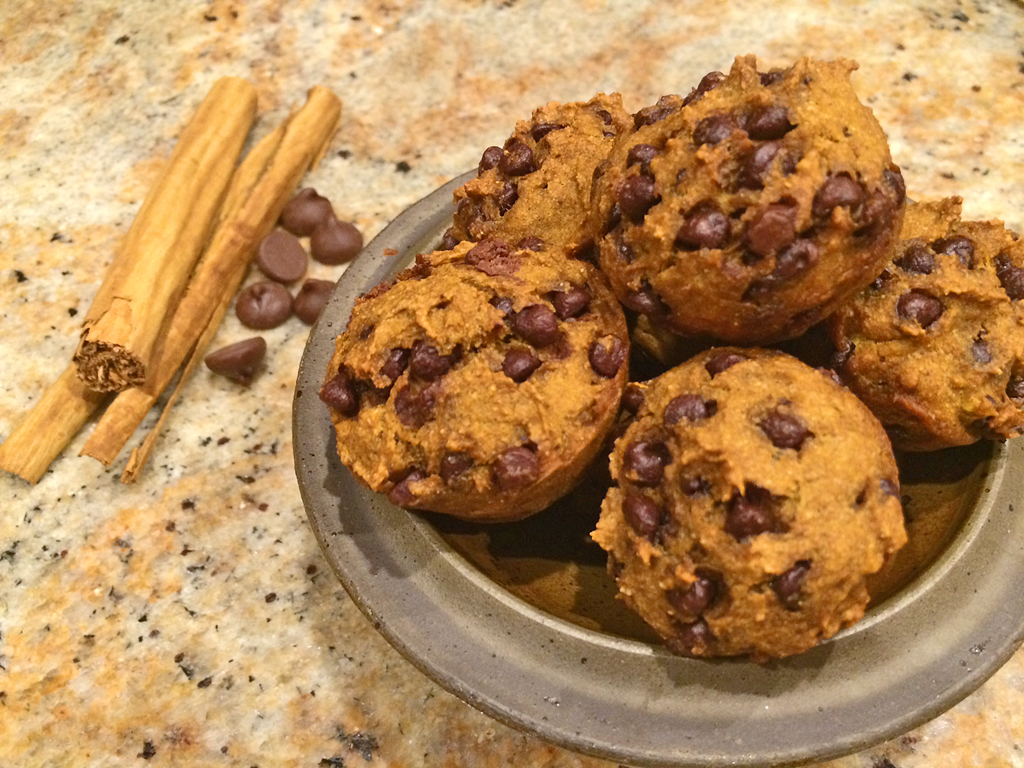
{"x": 190, "y": 619}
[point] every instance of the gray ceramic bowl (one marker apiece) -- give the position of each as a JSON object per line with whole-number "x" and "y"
{"x": 520, "y": 621}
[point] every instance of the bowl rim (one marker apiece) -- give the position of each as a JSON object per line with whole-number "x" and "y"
{"x": 623, "y": 699}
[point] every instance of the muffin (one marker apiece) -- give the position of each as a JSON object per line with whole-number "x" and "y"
{"x": 751, "y": 209}
{"x": 753, "y": 497}
{"x": 935, "y": 346}
{"x": 481, "y": 382}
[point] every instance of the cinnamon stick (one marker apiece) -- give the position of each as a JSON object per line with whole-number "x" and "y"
{"x": 262, "y": 185}
{"x": 158, "y": 254}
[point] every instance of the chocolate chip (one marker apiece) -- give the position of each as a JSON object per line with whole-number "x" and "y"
{"x": 690, "y": 407}
{"x": 335, "y": 242}
{"x": 700, "y": 595}
{"x": 537, "y": 324}
{"x": 919, "y": 306}
{"x": 493, "y": 257}
{"x": 1015, "y": 387}
{"x": 571, "y": 303}
{"x": 636, "y": 196}
{"x": 916, "y": 259}
{"x": 705, "y": 227}
{"x": 713, "y": 129}
{"x": 238, "y": 361}
{"x": 958, "y": 245}
{"x": 449, "y": 240}
{"x": 715, "y": 365}
{"x": 394, "y": 366}
{"x": 311, "y": 298}
{"x": 519, "y": 364}
{"x": 606, "y": 361}
{"x": 769, "y": 122}
{"x": 426, "y": 363}
{"x": 876, "y": 215}
{"x": 879, "y": 282}
{"x": 772, "y": 76}
{"x": 772, "y": 229}
{"x": 414, "y": 408}
{"x": 263, "y": 305}
{"x": 305, "y": 212}
{"x": 645, "y": 460}
{"x": 633, "y": 398}
{"x": 837, "y": 191}
{"x": 516, "y": 468}
{"x": 506, "y": 197}
{"x": 401, "y": 495}
{"x": 795, "y": 260}
{"x": 750, "y": 514}
{"x": 517, "y": 159}
{"x": 757, "y": 165}
{"x": 643, "y": 515}
{"x": 641, "y": 153}
{"x": 613, "y": 220}
{"x": 339, "y": 394}
{"x": 454, "y": 464}
{"x": 530, "y": 243}
{"x": 980, "y": 351}
{"x": 623, "y": 249}
{"x": 1010, "y": 277}
{"x": 645, "y": 301}
{"x": 889, "y": 487}
{"x": 784, "y": 429}
{"x": 655, "y": 113}
{"x": 787, "y": 586}
{"x": 540, "y": 130}
{"x": 692, "y": 639}
{"x": 695, "y": 486}
{"x": 489, "y": 159}
{"x": 709, "y": 82}
{"x": 503, "y": 304}
{"x": 894, "y": 178}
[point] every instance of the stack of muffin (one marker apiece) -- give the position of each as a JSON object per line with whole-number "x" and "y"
{"x": 752, "y": 494}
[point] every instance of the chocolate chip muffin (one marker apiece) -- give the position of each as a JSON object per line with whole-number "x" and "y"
{"x": 481, "y": 382}
{"x": 751, "y": 209}
{"x": 753, "y": 496}
{"x": 935, "y": 346}
{"x": 538, "y": 185}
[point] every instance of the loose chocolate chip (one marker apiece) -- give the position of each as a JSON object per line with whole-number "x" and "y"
{"x": 339, "y": 394}
{"x": 636, "y": 196}
{"x": 489, "y": 159}
{"x": 919, "y": 306}
{"x": 769, "y": 122}
{"x": 705, "y": 227}
{"x": 1010, "y": 277}
{"x": 655, "y": 113}
{"x": 516, "y": 468}
{"x": 414, "y": 408}
{"x": 633, "y": 398}
{"x": 606, "y": 361}
{"x": 889, "y": 487}
{"x": 645, "y": 301}
{"x": 401, "y": 495}
{"x": 958, "y": 245}
{"x": 894, "y": 178}
{"x": 311, "y": 298}
{"x": 449, "y": 240}
{"x": 537, "y": 324}
{"x": 772, "y": 230}
{"x": 519, "y": 364}
{"x": 700, "y": 595}
{"x": 530, "y": 243}
{"x": 709, "y": 82}
{"x": 426, "y": 363}
{"x": 641, "y": 153}
{"x": 772, "y": 76}
{"x": 690, "y": 407}
{"x": 786, "y": 586}
{"x": 719, "y": 363}
{"x": 784, "y": 429}
{"x": 517, "y": 160}
{"x": 916, "y": 259}
{"x": 335, "y": 242}
{"x": 493, "y": 257}
{"x": 643, "y": 515}
{"x": 394, "y": 366}
{"x": 506, "y": 197}
{"x": 713, "y": 129}
{"x": 1015, "y": 387}
{"x": 837, "y": 191}
{"x": 571, "y": 303}
{"x": 646, "y": 461}
{"x": 238, "y": 361}
{"x": 692, "y": 639}
{"x": 757, "y": 164}
{"x": 540, "y": 130}
{"x": 263, "y": 305}
{"x": 305, "y": 212}
{"x": 750, "y": 514}
{"x": 454, "y": 464}
{"x": 980, "y": 351}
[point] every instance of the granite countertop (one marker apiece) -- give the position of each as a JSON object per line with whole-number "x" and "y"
{"x": 190, "y": 619}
